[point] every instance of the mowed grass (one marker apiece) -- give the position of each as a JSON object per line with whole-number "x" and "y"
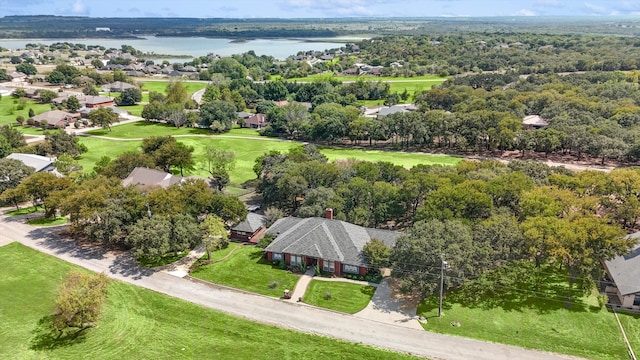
{"x": 412, "y": 87}
{"x": 530, "y": 310}
{"x": 339, "y": 296}
{"x": 404, "y": 159}
{"x": 97, "y": 148}
{"x": 42, "y": 221}
{"x": 9, "y": 109}
{"x": 161, "y": 86}
{"x": 326, "y": 77}
{"x": 244, "y": 142}
{"x": 141, "y": 324}
{"x": 143, "y": 129}
{"x": 246, "y": 269}
{"x": 219, "y": 254}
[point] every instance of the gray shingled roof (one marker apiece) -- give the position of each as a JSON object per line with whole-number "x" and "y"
{"x": 325, "y": 239}
{"x": 252, "y": 223}
{"x": 53, "y": 117}
{"x": 37, "y": 162}
{"x": 625, "y": 270}
{"x": 152, "y": 177}
{"x": 391, "y": 110}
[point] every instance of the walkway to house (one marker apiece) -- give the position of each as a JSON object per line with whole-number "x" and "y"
{"x": 181, "y": 267}
{"x": 302, "y": 284}
{"x": 337, "y": 279}
{"x": 388, "y": 307}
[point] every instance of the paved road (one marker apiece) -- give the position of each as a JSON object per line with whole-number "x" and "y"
{"x": 265, "y": 309}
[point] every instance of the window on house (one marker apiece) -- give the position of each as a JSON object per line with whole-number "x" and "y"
{"x": 295, "y": 260}
{"x": 636, "y": 300}
{"x": 329, "y": 266}
{"x": 241, "y": 233}
{"x": 276, "y": 256}
{"x": 350, "y": 269}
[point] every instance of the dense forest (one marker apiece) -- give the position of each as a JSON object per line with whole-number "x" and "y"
{"x": 483, "y": 215}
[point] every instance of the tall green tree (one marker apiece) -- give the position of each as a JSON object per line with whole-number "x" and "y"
{"x": 416, "y": 257}
{"x": 103, "y": 117}
{"x": 79, "y": 301}
{"x": 214, "y": 234}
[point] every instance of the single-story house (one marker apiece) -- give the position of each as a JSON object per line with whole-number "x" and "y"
{"x": 333, "y": 245}
{"x": 117, "y": 86}
{"x": 624, "y": 273}
{"x": 257, "y": 121}
{"x": 243, "y": 115}
{"x": 37, "y": 162}
{"x": 145, "y": 177}
{"x": 251, "y": 229}
{"x": 56, "y": 118}
{"x": 96, "y": 101}
{"x": 17, "y": 76}
{"x": 532, "y": 122}
{"x": 85, "y": 111}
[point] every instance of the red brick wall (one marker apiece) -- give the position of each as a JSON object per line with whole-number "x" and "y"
{"x": 287, "y": 259}
{"x": 269, "y": 255}
{"x": 338, "y": 266}
{"x": 363, "y": 270}
{"x": 253, "y": 238}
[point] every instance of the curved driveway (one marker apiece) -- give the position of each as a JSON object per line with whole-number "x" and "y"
{"x": 261, "y": 308}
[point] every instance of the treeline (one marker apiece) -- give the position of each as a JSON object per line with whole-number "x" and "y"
{"x": 151, "y": 221}
{"x": 596, "y": 113}
{"x": 523, "y": 53}
{"x": 483, "y": 215}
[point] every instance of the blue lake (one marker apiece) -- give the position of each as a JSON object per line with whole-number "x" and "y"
{"x": 198, "y": 46}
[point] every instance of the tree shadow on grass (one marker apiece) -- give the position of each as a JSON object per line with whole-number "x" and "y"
{"x": 46, "y": 337}
{"x": 516, "y": 287}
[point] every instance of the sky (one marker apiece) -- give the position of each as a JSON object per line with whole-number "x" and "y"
{"x": 318, "y": 8}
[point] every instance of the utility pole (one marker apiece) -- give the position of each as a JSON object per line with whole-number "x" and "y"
{"x": 443, "y": 265}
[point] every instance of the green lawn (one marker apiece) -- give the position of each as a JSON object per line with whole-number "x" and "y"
{"x": 133, "y": 109}
{"x": 151, "y": 262}
{"x": 413, "y": 87}
{"x": 140, "y": 324}
{"x": 238, "y": 140}
{"x": 9, "y": 109}
{"x": 339, "y": 296}
{"x": 246, "y": 269}
{"x": 161, "y": 86}
{"x": 142, "y": 129}
{"x": 97, "y": 148}
{"x": 219, "y": 254}
{"x": 58, "y": 220}
{"x": 405, "y": 159}
{"x": 530, "y": 310}
{"x": 322, "y": 77}
{"x": 24, "y": 211}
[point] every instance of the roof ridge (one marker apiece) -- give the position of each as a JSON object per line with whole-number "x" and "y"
{"x": 332, "y": 240}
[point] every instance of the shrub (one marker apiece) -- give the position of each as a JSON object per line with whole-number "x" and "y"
{"x": 327, "y": 295}
{"x": 273, "y": 284}
{"x": 602, "y": 300}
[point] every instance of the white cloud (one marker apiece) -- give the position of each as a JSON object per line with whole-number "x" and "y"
{"x": 597, "y": 9}
{"x": 525, "y": 12}
{"x": 79, "y": 7}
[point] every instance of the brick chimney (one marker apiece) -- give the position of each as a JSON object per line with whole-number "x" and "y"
{"x": 328, "y": 213}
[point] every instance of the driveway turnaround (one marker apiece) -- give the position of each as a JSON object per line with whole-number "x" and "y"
{"x": 264, "y": 309}
{"x": 383, "y": 307}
